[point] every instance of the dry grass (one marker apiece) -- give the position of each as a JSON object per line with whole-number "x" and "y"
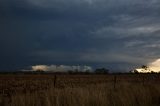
{"x": 80, "y": 90}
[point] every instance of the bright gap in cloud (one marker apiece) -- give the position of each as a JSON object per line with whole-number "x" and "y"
{"x": 60, "y": 68}
{"x": 155, "y": 65}
{"x": 151, "y": 67}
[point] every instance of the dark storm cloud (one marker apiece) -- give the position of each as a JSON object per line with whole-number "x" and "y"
{"x": 91, "y": 32}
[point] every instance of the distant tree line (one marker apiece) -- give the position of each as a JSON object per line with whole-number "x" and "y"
{"x": 102, "y": 71}
{"x": 76, "y": 71}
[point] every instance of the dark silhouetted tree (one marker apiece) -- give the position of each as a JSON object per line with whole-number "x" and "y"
{"x": 144, "y": 67}
{"x": 101, "y": 71}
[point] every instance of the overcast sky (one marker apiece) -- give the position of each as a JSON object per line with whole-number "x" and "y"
{"x": 118, "y": 34}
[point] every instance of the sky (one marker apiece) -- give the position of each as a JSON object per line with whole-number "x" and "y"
{"x": 115, "y": 34}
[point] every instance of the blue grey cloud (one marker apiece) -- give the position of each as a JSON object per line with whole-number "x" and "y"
{"x": 120, "y": 34}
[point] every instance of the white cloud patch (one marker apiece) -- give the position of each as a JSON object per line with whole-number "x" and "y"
{"x": 60, "y": 68}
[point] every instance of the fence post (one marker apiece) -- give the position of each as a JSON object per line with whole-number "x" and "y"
{"x": 55, "y": 80}
{"x": 115, "y": 81}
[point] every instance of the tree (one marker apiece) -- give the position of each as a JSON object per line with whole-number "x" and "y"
{"x": 144, "y": 67}
{"x": 101, "y": 71}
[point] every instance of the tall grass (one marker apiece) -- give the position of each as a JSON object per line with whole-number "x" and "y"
{"x": 88, "y": 91}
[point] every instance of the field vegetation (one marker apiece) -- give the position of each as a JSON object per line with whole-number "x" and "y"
{"x": 80, "y": 90}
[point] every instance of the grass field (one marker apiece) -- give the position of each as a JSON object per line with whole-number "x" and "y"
{"x": 80, "y": 90}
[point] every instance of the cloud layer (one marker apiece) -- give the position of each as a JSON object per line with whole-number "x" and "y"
{"x": 120, "y": 34}
{"x": 61, "y": 68}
